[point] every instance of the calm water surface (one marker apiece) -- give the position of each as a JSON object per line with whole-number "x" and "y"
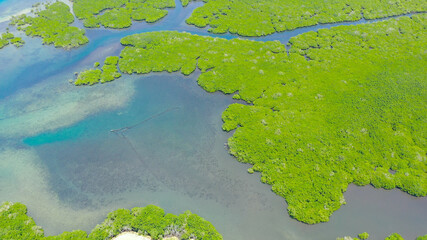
{"x": 59, "y": 156}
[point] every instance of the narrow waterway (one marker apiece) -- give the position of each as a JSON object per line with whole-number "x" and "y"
{"x": 59, "y": 156}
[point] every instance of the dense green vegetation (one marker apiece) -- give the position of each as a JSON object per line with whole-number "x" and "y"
{"x": 149, "y": 220}
{"x": 258, "y": 18}
{"x": 394, "y": 236}
{"x": 15, "y": 224}
{"x": 53, "y": 25}
{"x": 8, "y": 38}
{"x": 119, "y": 13}
{"x": 185, "y": 2}
{"x": 363, "y": 235}
{"x": 422, "y": 237}
{"x": 92, "y": 76}
{"x": 346, "y": 106}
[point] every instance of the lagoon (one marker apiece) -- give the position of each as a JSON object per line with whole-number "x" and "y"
{"x": 59, "y": 157}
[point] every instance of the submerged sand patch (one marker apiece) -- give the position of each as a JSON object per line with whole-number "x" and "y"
{"x": 55, "y": 103}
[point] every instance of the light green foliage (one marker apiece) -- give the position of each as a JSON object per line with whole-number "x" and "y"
{"x": 96, "y": 64}
{"x": 394, "y": 236}
{"x": 185, "y": 2}
{"x": 74, "y": 235}
{"x": 346, "y": 106}
{"x": 3, "y": 43}
{"x": 259, "y": 17}
{"x": 8, "y": 37}
{"x": 109, "y": 70}
{"x": 17, "y": 42}
{"x": 119, "y": 13}
{"x": 53, "y": 25}
{"x": 88, "y": 77}
{"x": 364, "y": 235}
{"x": 422, "y": 237}
{"x": 15, "y": 224}
{"x": 149, "y": 220}
{"x": 226, "y": 65}
{"x": 92, "y": 76}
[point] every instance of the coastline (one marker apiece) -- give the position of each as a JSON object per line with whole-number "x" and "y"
{"x": 7, "y": 18}
{"x": 130, "y": 236}
{"x": 135, "y": 236}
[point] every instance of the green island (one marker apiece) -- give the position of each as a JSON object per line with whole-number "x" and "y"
{"x": 258, "y": 18}
{"x": 365, "y": 235}
{"x": 148, "y": 221}
{"x": 53, "y": 25}
{"x": 8, "y": 38}
{"x": 107, "y": 73}
{"x": 120, "y": 13}
{"x": 345, "y": 105}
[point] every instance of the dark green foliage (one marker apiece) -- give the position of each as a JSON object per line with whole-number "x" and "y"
{"x": 394, "y": 236}
{"x": 149, "y": 220}
{"x": 119, "y": 13}
{"x": 346, "y": 106}
{"x": 53, "y": 25}
{"x": 15, "y": 224}
{"x": 258, "y": 17}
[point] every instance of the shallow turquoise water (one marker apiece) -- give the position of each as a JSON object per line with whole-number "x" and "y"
{"x": 73, "y": 170}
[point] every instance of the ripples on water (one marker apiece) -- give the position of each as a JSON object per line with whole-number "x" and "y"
{"x": 60, "y": 158}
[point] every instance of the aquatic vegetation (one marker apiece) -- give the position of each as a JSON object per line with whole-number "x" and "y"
{"x": 109, "y": 70}
{"x": 53, "y": 25}
{"x": 88, "y": 77}
{"x": 346, "y": 106}
{"x": 394, "y": 236}
{"x": 8, "y": 38}
{"x": 74, "y": 235}
{"x": 150, "y": 220}
{"x": 185, "y": 2}
{"x": 92, "y": 76}
{"x": 120, "y": 13}
{"x": 363, "y": 235}
{"x": 17, "y": 42}
{"x": 258, "y": 18}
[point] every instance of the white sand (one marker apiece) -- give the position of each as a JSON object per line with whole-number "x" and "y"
{"x": 7, "y": 18}
{"x": 130, "y": 236}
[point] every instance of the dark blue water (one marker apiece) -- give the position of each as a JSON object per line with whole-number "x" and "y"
{"x": 60, "y": 157}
